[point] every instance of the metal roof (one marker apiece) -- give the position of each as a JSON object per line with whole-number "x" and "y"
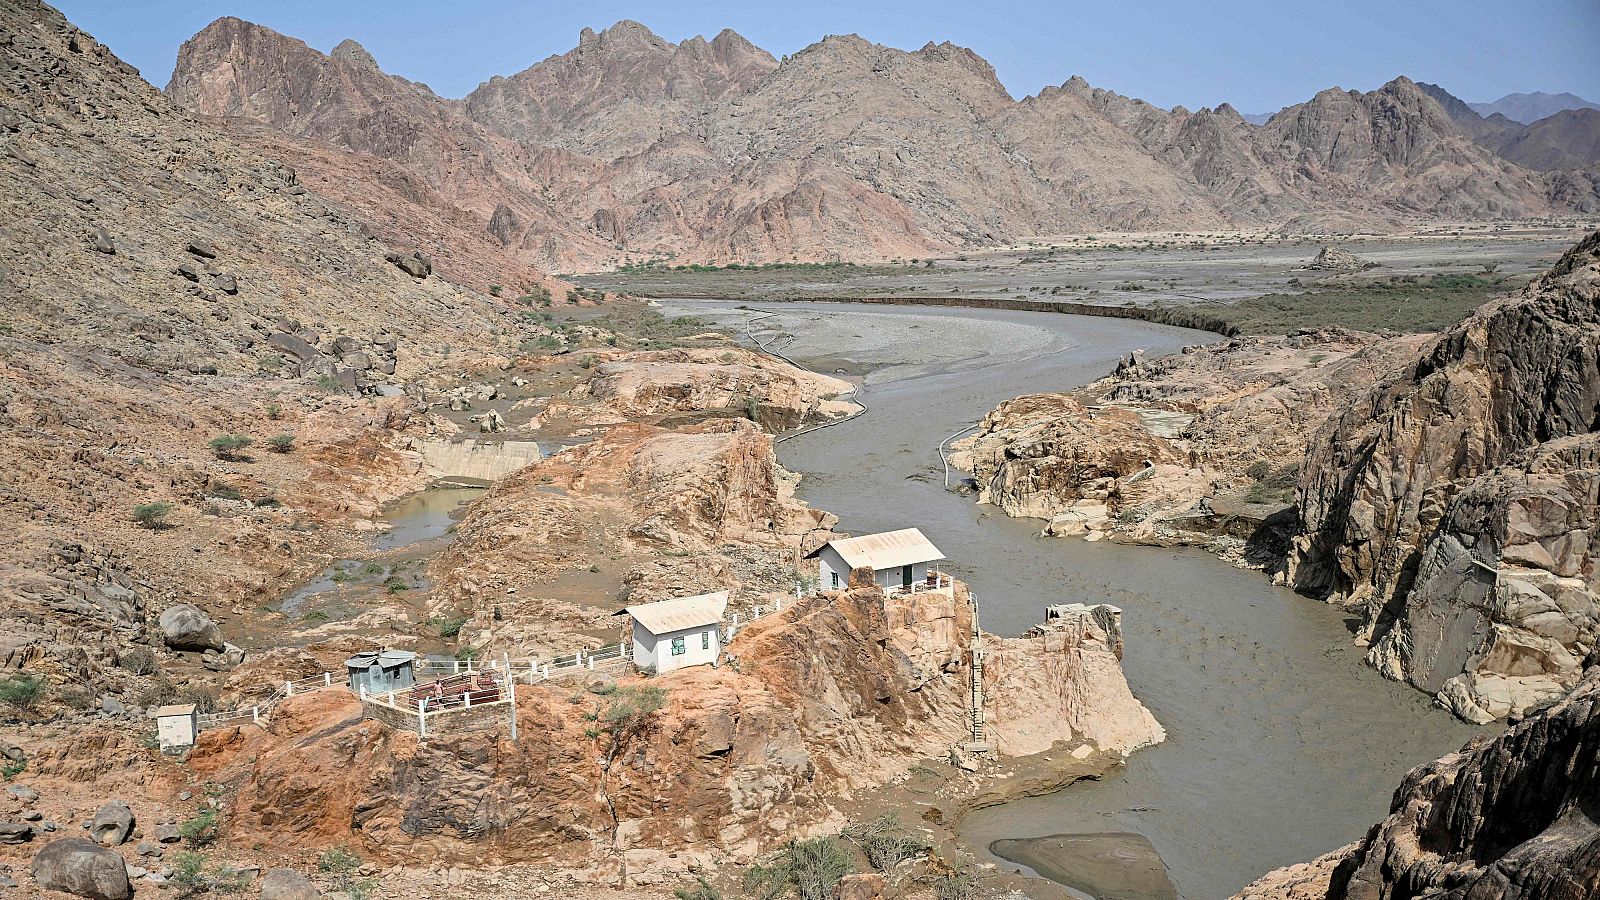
{"x": 888, "y": 550}
{"x": 665, "y": 616}
{"x": 387, "y": 659}
{"x": 177, "y": 709}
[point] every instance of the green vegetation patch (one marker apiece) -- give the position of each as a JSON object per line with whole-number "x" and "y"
{"x": 1405, "y": 303}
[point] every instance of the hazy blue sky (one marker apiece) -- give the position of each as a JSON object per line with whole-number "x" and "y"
{"x": 1256, "y": 54}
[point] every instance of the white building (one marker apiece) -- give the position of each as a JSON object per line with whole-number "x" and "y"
{"x": 903, "y": 561}
{"x": 176, "y": 726}
{"x": 673, "y": 634}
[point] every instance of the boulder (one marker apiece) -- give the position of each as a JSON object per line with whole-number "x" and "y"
{"x": 287, "y": 884}
{"x": 292, "y": 344}
{"x": 76, "y": 866}
{"x": 112, "y": 824}
{"x": 416, "y": 265}
{"x": 21, "y": 791}
{"x": 15, "y": 832}
{"x": 167, "y": 833}
{"x": 101, "y": 241}
{"x": 202, "y": 249}
{"x": 227, "y": 283}
{"x": 1337, "y": 259}
{"x": 188, "y": 271}
{"x": 185, "y": 627}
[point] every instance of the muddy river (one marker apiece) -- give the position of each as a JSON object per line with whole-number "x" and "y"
{"x": 1281, "y": 746}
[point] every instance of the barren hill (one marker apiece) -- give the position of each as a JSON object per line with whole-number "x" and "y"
{"x": 631, "y": 147}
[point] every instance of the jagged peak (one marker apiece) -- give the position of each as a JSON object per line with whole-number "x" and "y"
{"x": 350, "y": 51}
{"x": 625, "y": 32}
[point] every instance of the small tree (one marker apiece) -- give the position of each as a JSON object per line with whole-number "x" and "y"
{"x": 628, "y": 714}
{"x": 228, "y": 446}
{"x": 281, "y": 443}
{"x": 152, "y": 515}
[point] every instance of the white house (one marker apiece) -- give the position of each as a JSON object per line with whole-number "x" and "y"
{"x": 176, "y": 726}
{"x": 673, "y": 634}
{"x": 902, "y": 561}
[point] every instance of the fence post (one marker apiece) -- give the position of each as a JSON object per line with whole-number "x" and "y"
{"x": 362, "y": 692}
{"x": 288, "y": 689}
{"x": 777, "y": 604}
{"x": 547, "y": 671}
{"x": 255, "y": 714}
{"x": 327, "y": 679}
{"x": 466, "y": 699}
{"x": 511, "y": 687}
{"x": 422, "y": 717}
{"x": 391, "y": 699}
{"x": 533, "y": 669}
{"x": 591, "y": 664}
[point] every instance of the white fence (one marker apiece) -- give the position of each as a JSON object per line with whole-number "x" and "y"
{"x": 255, "y": 713}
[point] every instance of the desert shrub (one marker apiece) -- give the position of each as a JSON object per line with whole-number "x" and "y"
{"x": 223, "y": 491}
{"x": 11, "y": 768}
{"x": 494, "y": 290}
{"x": 394, "y": 584}
{"x": 274, "y": 411}
{"x": 316, "y": 615}
{"x": 229, "y": 446}
{"x": 449, "y": 626}
{"x": 702, "y": 890}
{"x": 192, "y": 876}
{"x": 137, "y": 660}
{"x": 885, "y": 842}
{"x": 809, "y": 869}
{"x": 204, "y": 697}
{"x": 345, "y": 869}
{"x": 329, "y": 384}
{"x": 151, "y": 515}
{"x": 22, "y": 691}
{"x": 280, "y": 443}
{"x": 955, "y": 886}
{"x": 203, "y": 829}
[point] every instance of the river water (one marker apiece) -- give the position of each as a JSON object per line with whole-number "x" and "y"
{"x": 1281, "y": 745}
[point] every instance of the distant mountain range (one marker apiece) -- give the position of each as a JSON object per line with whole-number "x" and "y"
{"x": 1530, "y": 108}
{"x": 630, "y": 147}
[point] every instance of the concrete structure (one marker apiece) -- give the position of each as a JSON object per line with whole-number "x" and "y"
{"x": 674, "y": 634}
{"x": 901, "y": 561}
{"x": 473, "y": 461}
{"x": 176, "y": 727}
{"x": 381, "y": 671}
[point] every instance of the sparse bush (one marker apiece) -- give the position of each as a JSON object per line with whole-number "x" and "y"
{"x": 885, "y": 842}
{"x": 281, "y": 443}
{"x": 274, "y": 411}
{"x": 702, "y": 890}
{"x": 22, "y": 691}
{"x": 955, "y": 886}
{"x": 268, "y": 502}
{"x": 229, "y": 446}
{"x": 137, "y": 660}
{"x": 223, "y": 491}
{"x": 449, "y": 627}
{"x": 394, "y": 584}
{"x": 810, "y": 869}
{"x": 329, "y": 384}
{"x": 11, "y": 768}
{"x": 314, "y": 617}
{"x": 494, "y": 290}
{"x": 587, "y": 362}
{"x": 152, "y": 515}
{"x": 203, "y": 829}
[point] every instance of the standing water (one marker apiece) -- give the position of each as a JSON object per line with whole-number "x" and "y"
{"x": 1281, "y": 745}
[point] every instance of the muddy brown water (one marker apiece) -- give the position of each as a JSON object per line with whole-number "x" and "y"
{"x": 1281, "y": 745}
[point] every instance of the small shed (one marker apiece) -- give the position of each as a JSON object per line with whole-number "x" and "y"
{"x": 381, "y": 671}
{"x": 674, "y": 634}
{"x": 900, "y": 560}
{"x": 176, "y": 726}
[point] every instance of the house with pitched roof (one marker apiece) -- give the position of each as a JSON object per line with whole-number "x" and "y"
{"x": 903, "y": 561}
{"x": 674, "y": 634}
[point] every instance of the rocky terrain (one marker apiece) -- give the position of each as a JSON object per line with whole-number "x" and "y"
{"x": 1507, "y": 818}
{"x": 630, "y": 148}
{"x": 1564, "y": 138}
{"x": 1451, "y": 504}
{"x": 1200, "y": 447}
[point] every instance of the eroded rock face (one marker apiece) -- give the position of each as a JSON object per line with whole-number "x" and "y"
{"x": 1453, "y": 505}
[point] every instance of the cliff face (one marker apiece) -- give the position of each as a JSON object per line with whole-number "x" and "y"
{"x": 1452, "y": 506}
{"x": 1508, "y": 819}
{"x": 830, "y": 697}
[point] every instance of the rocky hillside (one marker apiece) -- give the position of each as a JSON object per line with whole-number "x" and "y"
{"x": 1509, "y": 818}
{"x": 633, "y": 148}
{"x": 1565, "y": 139}
{"x": 1453, "y": 505}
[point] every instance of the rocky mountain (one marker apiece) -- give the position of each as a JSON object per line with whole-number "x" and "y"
{"x": 1509, "y": 818}
{"x": 1530, "y": 108}
{"x": 1453, "y": 505}
{"x": 1569, "y": 139}
{"x": 631, "y": 147}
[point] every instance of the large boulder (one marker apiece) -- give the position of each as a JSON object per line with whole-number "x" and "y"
{"x": 15, "y": 832}
{"x": 76, "y": 866}
{"x": 185, "y": 627}
{"x": 287, "y": 884}
{"x": 112, "y": 824}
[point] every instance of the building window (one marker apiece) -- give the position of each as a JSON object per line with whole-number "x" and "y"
{"x": 678, "y": 649}
{"x": 705, "y": 640}
{"x": 835, "y": 580}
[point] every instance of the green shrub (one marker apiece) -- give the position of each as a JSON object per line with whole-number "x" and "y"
{"x": 809, "y": 869}
{"x": 151, "y": 515}
{"x": 201, "y": 830}
{"x": 223, "y": 491}
{"x": 274, "y": 411}
{"x": 11, "y": 768}
{"x": 22, "y": 691}
{"x": 329, "y": 384}
{"x": 449, "y": 626}
{"x": 344, "y": 868}
{"x": 228, "y": 446}
{"x": 316, "y": 615}
{"x": 956, "y": 886}
{"x": 281, "y": 443}
{"x": 494, "y": 290}
{"x": 394, "y": 584}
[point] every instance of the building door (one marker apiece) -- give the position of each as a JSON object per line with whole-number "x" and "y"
{"x": 905, "y": 577}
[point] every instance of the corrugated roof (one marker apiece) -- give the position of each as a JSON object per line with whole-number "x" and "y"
{"x": 888, "y": 550}
{"x": 387, "y": 659}
{"x": 664, "y": 616}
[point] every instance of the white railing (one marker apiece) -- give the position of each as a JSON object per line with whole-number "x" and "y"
{"x": 256, "y": 712}
{"x": 736, "y": 622}
{"x": 488, "y": 692}
{"x": 935, "y": 583}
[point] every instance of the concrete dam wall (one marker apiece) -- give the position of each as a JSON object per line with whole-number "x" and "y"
{"x": 488, "y": 461}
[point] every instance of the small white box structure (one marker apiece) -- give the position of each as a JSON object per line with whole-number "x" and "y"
{"x": 903, "y": 561}
{"x": 176, "y": 726}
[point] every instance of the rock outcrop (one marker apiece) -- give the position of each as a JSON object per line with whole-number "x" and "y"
{"x": 1453, "y": 505}
{"x": 76, "y": 866}
{"x": 1336, "y": 259}
{"x": 1509, "y": 818}
{"x": 833, "y": 695}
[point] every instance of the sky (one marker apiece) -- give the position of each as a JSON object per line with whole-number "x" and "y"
{"x": 1258, "y": 55}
